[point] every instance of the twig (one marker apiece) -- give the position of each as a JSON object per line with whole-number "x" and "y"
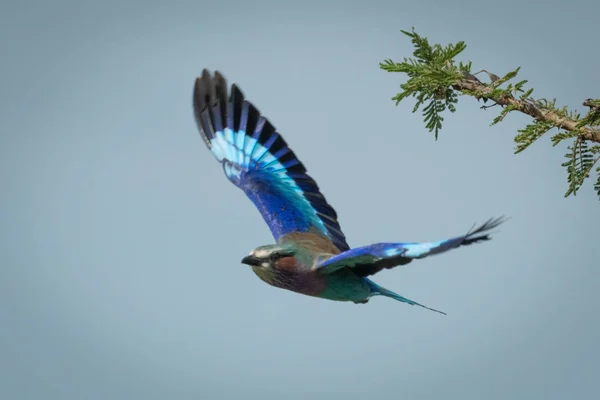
{"x": 530, "y": 108}
{"x": 484, "y": 107}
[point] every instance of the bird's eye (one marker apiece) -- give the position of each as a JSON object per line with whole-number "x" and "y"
{"x": 275, "y": 256}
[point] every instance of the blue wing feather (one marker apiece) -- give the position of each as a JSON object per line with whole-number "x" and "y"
{"x": 369, "y": 260}
{"x": 258, "y": 160}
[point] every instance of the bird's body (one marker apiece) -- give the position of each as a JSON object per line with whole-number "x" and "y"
{"x": 311, "y": 255}
{"x": 301, "y": 274}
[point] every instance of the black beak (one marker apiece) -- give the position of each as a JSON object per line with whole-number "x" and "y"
{"x": 251, "y": 260}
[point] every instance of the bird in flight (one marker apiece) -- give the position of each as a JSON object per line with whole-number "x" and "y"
{"x": 311, "y": 255}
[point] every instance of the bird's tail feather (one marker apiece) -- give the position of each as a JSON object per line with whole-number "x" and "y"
{"x": 378, "y": 290}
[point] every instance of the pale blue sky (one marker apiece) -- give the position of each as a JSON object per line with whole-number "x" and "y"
{"x": 121, "y": 239}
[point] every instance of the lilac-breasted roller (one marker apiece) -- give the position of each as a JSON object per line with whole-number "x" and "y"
{"x": 311, "y": 255}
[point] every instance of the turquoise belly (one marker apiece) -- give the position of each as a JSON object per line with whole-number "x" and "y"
{"x": 344, "y": 285}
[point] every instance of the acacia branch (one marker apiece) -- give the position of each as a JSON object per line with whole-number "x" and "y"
{"x": 436, "y": 79}
{"x": 529, "y": 107}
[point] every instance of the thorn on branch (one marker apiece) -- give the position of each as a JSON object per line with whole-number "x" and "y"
{"x": 594, "y": 105}
{"x": 484, "y": 107}
{"x": 470, "y": 77}
{"x": 493, "y": 77}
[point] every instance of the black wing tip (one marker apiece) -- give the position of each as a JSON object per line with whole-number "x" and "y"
{"x": 214, "y": 84}
{"x": 235, "y": 90}
{"x": 479, "y": 234}
{"x": 493, "y": 223}
{"x": 210, "y": 90}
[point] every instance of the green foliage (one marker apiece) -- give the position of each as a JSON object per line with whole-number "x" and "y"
{"x": 593, "y": 117}
{"x": 503, "y": 114}
{"x": 430, "y": 79}
{"x": 562, "y": 135}
{"x": 597, "y": 184}
{"x": 581, "y": 158}
{"x": 530, "y": 134}
{"x": 436, "y": 79}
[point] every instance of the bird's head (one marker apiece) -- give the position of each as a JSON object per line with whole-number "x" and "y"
{"x": 270, "y": 256}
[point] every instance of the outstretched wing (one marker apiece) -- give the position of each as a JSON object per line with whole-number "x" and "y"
{"x": 369, "y": 260}
{"x": 256, "y": 159}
